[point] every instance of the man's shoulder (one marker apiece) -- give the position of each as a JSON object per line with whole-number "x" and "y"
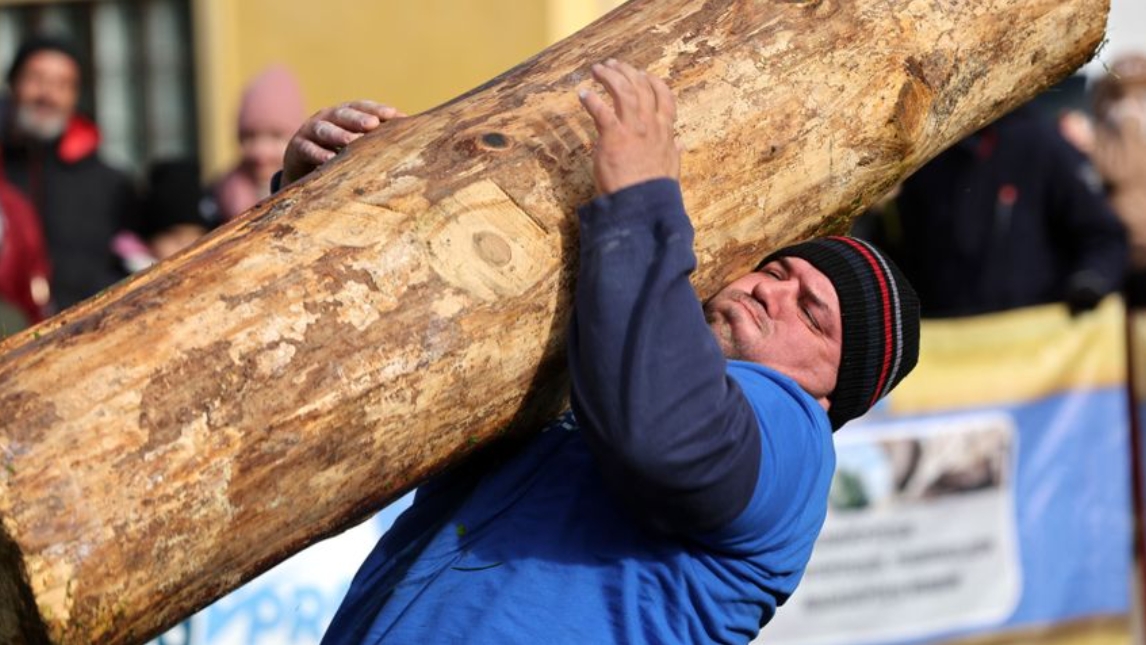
{"x": 797, "y": 459}
{"x": 776, "y": 393}
{"x": 93, "y": 170}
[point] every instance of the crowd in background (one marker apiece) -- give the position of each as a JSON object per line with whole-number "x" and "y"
{"x": 1048, "y": 204}
{"x": 71, "y": 225}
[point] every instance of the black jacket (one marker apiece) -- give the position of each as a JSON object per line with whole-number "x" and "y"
{"x": 82, "y": 203}
{"x": 1009, "y": 217}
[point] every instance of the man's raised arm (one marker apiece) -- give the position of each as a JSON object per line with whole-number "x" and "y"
{"x": 672, "y": 433}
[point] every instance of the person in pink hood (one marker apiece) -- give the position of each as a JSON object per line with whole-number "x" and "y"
{"x": 271, "y": 110}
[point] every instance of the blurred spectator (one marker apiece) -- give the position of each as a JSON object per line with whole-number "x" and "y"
{"x": 23, "y": 258}
{"x": 272, "y": 109}
{"x": 12, "y": 320}
{"x": 50, "y": 153}
{"x": 1119, "y": 152}
{"x": 1009, "y": 217}
{"x": 177, "y": 211}
{"x": 1066, "y": 104}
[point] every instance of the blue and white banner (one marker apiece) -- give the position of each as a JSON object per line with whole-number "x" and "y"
{"x": 990, "y": 494}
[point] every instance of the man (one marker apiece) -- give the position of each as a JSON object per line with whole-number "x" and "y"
{"x": 50, "y": 153}
{"x": 1119, "y": 152}
{"x": 679, "y": 501}
{"x": 1011, "y": 216}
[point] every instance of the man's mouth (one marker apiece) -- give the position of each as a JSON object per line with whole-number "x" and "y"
{"x": 44, "y": 105}
{"x": 754, "y": 309}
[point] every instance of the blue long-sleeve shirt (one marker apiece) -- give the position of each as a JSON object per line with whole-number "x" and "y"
{"x": 680, "y": 506}
{"x": 648, "y": 373}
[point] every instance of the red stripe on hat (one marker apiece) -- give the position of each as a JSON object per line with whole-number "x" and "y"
{"x": 885, "y": 296}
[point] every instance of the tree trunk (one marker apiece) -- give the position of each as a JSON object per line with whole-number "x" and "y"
{"x": 175, "y": 436}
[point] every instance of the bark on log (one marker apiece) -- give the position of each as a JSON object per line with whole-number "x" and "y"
{"x": 170, "y": 439}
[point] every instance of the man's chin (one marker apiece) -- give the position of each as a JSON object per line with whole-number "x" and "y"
{"x": 723, "y": 335}
{"x": 38, "y": 126}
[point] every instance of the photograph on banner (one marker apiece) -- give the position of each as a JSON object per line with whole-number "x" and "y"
{"x": 920, "y": 536}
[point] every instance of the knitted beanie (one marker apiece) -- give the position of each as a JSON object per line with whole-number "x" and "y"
{"x": 37, "y": 44}
{"x": 880, "y": 314}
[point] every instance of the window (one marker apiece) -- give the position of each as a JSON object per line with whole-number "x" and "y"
{"x": 138, "y": 74}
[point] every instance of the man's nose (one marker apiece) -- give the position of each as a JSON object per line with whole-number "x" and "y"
{"x": 777, "y": 295}
{"x": 43, "y": 95}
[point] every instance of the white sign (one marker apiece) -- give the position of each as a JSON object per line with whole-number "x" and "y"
{"x": 920, "y": 537}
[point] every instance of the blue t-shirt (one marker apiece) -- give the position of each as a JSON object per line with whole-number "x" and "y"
{"x": 680, "y": 507}
{"x": 543, "y": 552}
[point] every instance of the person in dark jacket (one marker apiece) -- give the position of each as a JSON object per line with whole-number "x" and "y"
{"x": 50, "y": 153}
{"x": 177, "y": 210}
{"x": 1009, "y": 217}
{"x": 679, "y": 500}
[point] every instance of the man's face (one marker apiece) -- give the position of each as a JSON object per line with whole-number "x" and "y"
{"x": 262, "y": 152}
{"x": 786, "y": 316}
{"x": 45, "y": 92}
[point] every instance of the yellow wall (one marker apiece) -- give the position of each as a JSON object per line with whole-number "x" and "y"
{"x": 413, "y": 55}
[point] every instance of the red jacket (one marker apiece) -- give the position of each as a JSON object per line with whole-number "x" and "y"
{"x": 23, "y": 256}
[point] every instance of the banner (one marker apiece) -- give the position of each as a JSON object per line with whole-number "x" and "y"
{"x": 989, "y": 494}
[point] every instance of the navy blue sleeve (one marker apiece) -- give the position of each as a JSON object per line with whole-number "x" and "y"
{"x": 674, "y": 435}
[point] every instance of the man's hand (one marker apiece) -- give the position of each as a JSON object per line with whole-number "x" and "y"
{"x": 328, "y": 131}
{"x": 635, "y": 140}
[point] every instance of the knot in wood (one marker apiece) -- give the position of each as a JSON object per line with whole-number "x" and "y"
{"x": 492, "y": 248}
{"x": 494, "y": 141}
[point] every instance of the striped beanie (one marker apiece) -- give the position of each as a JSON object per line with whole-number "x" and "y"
{"x": 880, "y": 314}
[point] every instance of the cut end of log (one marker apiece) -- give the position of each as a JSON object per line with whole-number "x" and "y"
{"x": 20, "y": 622}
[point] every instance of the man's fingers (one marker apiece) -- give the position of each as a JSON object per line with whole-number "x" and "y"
{"x": 354, "y": 120}
{"x": 329, "y": 130}
{"x": 638, "y": 83}
{"x": 355, "y": 117}
{"x": 665, "y": 102}
{"x": 383, "y": 112}
{"x": 313, "y": 154}
{"x": 328, "y": 135}
{"x": 619, "y": 88}
{"x": 603, "y": 116}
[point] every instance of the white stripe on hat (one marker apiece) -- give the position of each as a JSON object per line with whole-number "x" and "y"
{"x": 897, "y": 319}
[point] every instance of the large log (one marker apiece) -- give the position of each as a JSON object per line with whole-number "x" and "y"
{"x": 169, "y": 439}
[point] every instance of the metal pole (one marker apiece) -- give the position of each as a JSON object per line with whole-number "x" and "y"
{"x": 1136, "y": 474}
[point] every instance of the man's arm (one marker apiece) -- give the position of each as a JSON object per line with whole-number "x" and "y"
{"x": 673, "y": 434}
{"x": 1120, "y": 155}
{"x": 1088, "y": 223}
